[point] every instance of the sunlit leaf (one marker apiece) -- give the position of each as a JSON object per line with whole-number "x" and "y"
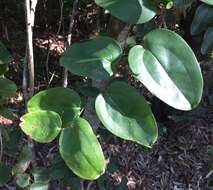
{"x": 81, "y": 150}
{"x": 64, "y": 101}
{"x": 41, "y": 126}
{"x": 168, "y": 68}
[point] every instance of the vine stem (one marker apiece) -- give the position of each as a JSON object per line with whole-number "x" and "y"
{"x": 1, "y": 145}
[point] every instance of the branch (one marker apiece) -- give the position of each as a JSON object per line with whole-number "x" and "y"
{"x": 30, "y": 17}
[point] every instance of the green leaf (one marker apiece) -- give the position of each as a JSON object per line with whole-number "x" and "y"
{"x": 58, "y": 171}
{"x": 89, "y": 91}
{"x": 125, "y": 113}
{"x": 23, "y": 180}
{"x": 182, "y": 2}
{"x": 210, "y": 2}
{"x": 41, "y": 175}
{"x": 6, "y": 113}
{"x": 202, "y": 19}
{"x": 13, "y": 140}
{"x": 207, "y": 45}
{"x": 93, "y": 59}
{"x": 167, "y": 66}
{"x": 5, "y": 56}
{"x": 64, "y": 101}
{"x": 3, "y": 68}
{"x": 7, "y": 87}
{"x": 4, "y": 174}
{"x": 39, "y": 186}
{"x": 81, "y": 150}
{"x": 139, "y": 11}
{"x": 41, "y": 126}
{"x": 24, "y": 160}
{"x": 142, "y": 29}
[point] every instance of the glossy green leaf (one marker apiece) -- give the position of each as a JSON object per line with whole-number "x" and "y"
{"x": 5, "y": 56}
{"x": 167, "y": 66}
{"x": 93, "y": 59}
{"x": 210, "y": 2}
{"x": 23, "y": 161}
{"x": 7, "y": 87}
{"x": 207, "y": 45}
{"x": 39, "y": 186}
{"x": 23, "y": 180}
{"x": 41, "y": 126}
{"x": 202, "y": 19}
{"x": 139, "y": 11}
{"x": 4, "y": 174}
{"x": 64, "y": 101}
{"x": 125, "y": 113}
{"x": 81, "y": 150}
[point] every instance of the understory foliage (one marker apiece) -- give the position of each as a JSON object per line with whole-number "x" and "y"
{"x": 158, "y": 58}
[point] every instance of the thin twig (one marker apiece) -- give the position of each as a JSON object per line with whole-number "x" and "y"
{"x": 24, "y": 79}
{"x": 47, "y": 62}
{"x": 89, "y": 185}
{"x": 1, "y": 145}
{"x": 61, "y": 16}
{"x": 82, "y": 184}
{"x": 69, "y": 37}
{"x": 51, "y": 78}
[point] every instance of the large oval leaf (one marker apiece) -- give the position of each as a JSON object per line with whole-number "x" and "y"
{"x": 41, "y": 126}
{"x": 210, "y": 2}
{"x": 207, "y": 45}
{"x": 81, "y": 150}
{"x": 202, "y": 19}
{"x": 167, "y": 66}
{"x": 139, "y": 11}
{"x": 93, "y": 59}
{"x": 5, "y": 56}
{"x": 126, "y": 114}
{"x": 64, "y": 101}
{"x": 7, "y": 87}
